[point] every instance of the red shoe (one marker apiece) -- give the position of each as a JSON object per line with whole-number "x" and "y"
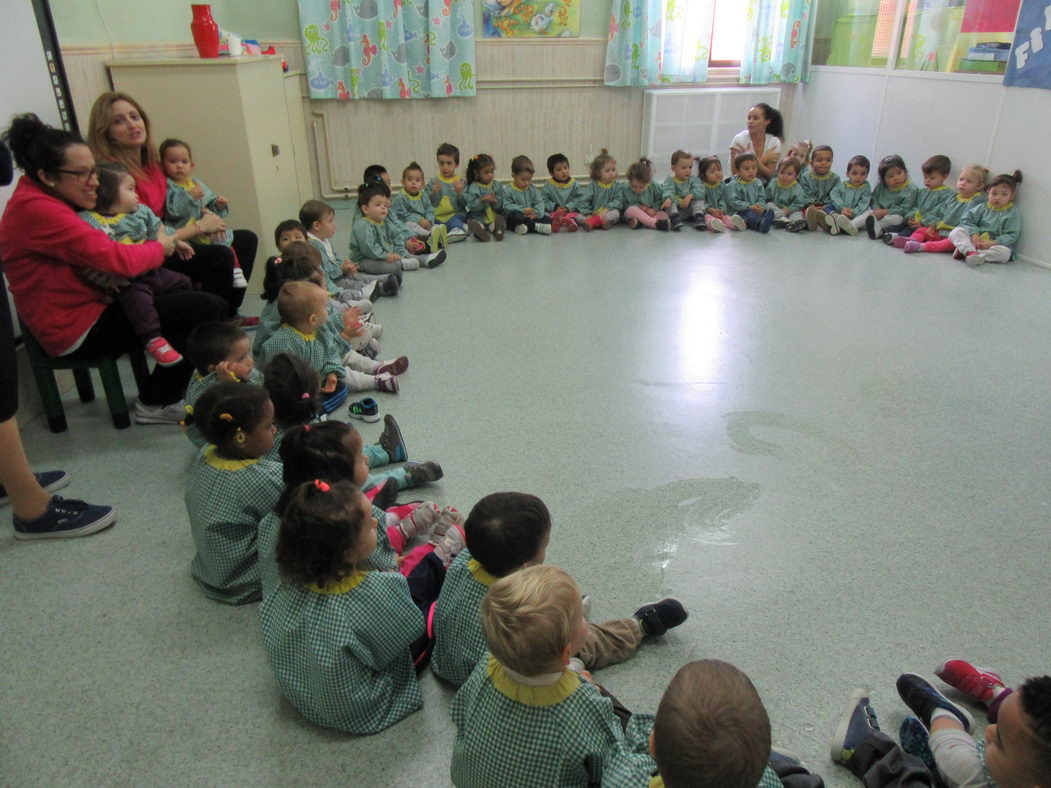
{"x": 978, "y": 684}
{"x": 555, "y": 225}
{"x": 396, "y": 367}
{"x": 163, "y": 353}
{"x": 569, "y": 225}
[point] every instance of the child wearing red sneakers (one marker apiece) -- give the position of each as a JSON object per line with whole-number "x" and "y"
{"x": 562, "y": 195}
{"x": 118, "y": 213}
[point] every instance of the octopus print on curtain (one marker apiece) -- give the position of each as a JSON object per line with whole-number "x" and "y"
{"x": 654, "y": 42}
{"x": 388, "y": 49}
{"x": 777, "y": 36}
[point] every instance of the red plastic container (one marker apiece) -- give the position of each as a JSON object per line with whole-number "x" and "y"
{"x": 205, "y": 31}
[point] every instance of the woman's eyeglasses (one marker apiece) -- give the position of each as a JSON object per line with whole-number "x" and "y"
{"x": 82, "y": 175}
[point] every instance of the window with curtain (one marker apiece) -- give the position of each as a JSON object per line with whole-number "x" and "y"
{"x": 966, "y": 36}
{"x": 388, "y": 49}
{"x": 777, "y": 33}
{"x": 655, "y": 42}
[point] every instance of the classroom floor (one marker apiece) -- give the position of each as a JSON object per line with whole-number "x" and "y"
{"x": 834, "y": 454}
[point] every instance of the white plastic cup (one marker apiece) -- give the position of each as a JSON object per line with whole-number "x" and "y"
{"x": 234, "y": 43}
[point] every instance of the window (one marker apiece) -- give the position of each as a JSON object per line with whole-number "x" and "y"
{"x": 728, "y": 26}
{"x": 968, "y": 36}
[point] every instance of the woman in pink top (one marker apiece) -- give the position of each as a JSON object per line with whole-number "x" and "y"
{"x": 119, "y": 130}
{"x": 763, "y": 136}
{"x": 46, "y": 248}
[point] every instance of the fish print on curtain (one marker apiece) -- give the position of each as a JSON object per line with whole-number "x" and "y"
{"x": 388, "y": 49}
{"x": 654, "y": 42}
{"x": 777, "y": 38}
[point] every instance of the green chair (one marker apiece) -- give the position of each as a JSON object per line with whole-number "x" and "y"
{"x": 81, "y": 364}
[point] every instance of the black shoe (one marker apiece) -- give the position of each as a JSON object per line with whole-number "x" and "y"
{"x": 387, "y": 495}
{"x": 65, "y": 518}
{"x": 423, "y": 472}
{"x": 391, "y": 441}
{"x": 921, "y": 696}
{"x": 663, "y": 224}
{"x": 870, "y": 227}
{"x": 388, "y": 286}
{"x": 658, "y": 618}
{"x": 796, "y": 225}
{"x": 676, "y": 222}
{"x": 888, "y": 239}
{"x": 434, "y": 260}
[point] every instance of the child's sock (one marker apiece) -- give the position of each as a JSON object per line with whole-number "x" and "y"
{"x": 422, "y": 517}
{"x": 448, "y": 518}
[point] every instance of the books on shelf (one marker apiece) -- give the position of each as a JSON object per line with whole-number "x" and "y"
{"x": 990, "y": 51}
{"x": 972, "y": 66}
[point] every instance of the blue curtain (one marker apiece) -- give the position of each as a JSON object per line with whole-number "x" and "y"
{"x": 653, "y": 42}
{"x": 776, "y": 42}
{"x": 388, "y": 49}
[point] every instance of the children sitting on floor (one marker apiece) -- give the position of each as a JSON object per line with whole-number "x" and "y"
{"x": 220, "y": 353}
{"x": 524, "y": 717}
{"x": 504, "y": 533}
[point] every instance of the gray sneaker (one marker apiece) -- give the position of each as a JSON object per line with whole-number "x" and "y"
{"x": 158, "y": 414}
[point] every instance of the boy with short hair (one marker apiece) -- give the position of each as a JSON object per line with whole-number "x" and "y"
{"x": 851, "y": 200}
{"x": 684, "y": 190}
{"x": 522, "y": 204}
{"x": 523, "y": 717}
{"x": 344, "y": 281}
{"x": 1015, "y": 751}
{"x": 446, "y": 193}
{"x": 818, "y": 182}
{"x": 411, "y": 209}
{"x": 504, "y": 533}
{"x": 931, "y": 202}
{"x": 220, "y": 352}
{"x": 562, "y": 195}
{"x": 711, "y": 729}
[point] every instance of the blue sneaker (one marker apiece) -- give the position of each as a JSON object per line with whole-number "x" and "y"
{"x": 857, "y": 724}
{"x": 365, "y": 409}
{"x": 915, "y": 740}
{"x": 767, "y": 222}
{"x": 49, "y": 480}
{"x": 65, "y": 518}
{"x": 782, "y": 760}
{"x": 391, "y": 441}
{"x": 921, "y": 696}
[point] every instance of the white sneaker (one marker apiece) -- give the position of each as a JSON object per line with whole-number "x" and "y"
{"x": 521, "y": 229}
{"x": 434, "y": 260}
{"x": 455, "y": 235}
{"x": 543, "y": 228}
{"x": 410, "y": 264}
{"x": 846, "y": 225}
{"x": 738, "y": 222}
{"x": 158, "y": 414}
{"x": 717, "y": 226}
{"x": 240, "y": 283}
{"x": 832, "y": 224}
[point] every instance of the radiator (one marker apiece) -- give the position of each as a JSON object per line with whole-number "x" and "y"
{"x": 700, "y": 120}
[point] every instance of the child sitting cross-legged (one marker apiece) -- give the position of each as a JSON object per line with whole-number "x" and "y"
{"x": 746, "y": 194}
{"x": 232, "y": 487}
{"x": 333, "y": 450}
{"x": 711, "y": 729}
{"x": 220, "y": 353}
{"x": 524, "y": 717}
{"x": 504, "y": 533}
{"x": 343, "y": 639}
{"x": 377, "y": 246}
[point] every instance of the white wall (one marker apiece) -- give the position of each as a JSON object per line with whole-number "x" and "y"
{"x": 916, "y": 115}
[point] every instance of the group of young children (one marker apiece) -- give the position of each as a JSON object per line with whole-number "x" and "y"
{"x": 288, "y": 507}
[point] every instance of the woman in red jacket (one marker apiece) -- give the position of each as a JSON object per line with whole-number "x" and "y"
{"x": 45, "y": 246}
{"x": 119, "y": 130}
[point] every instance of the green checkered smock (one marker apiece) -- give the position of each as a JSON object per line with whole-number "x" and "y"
{"x": 318, "y": 349}
{"x": 634, "y": 767}
{"x": 512, "y": 734}
{"x": 196, "y": 387}
{"x": 225, "y": 500}
{"x": 459, "y": 640}
{"x": 341, "y": 654}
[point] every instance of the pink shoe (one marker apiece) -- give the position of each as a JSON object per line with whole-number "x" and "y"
{"x": 450, "y": 516}
{"x": 899, "y": 241}
{"x": 422, "y": 517}
{"x": 912, "y": 246}
{"x": 569, "y": 225}
{"x": 163, "y": 353}
{"x": 978, "y": 684}
{"x": 449, "y": 546}
{"x": 396, "y": 367}
{"x": 387, "y": 382}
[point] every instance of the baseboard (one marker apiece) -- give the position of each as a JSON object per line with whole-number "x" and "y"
{"x": 1029, "y": 259}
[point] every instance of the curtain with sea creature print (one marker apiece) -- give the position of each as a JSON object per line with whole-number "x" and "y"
{"x": 654, "y": 42}
{"x": 777, "y": 37}
{"x": 388, "y": 49}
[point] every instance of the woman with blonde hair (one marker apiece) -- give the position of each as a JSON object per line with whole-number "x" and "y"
{"x": 119, "y": 130}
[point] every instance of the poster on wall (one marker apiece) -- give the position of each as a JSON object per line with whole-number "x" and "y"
{"x": 1030, "y": 62}
{"x": 532, "y": 19}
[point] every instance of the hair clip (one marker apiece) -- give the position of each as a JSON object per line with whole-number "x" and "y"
{"x": 305, "y": 395}
{"x": 306, "y": 428}
{"x": 226, "y": 417}
{"x": 323, "y": 486}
